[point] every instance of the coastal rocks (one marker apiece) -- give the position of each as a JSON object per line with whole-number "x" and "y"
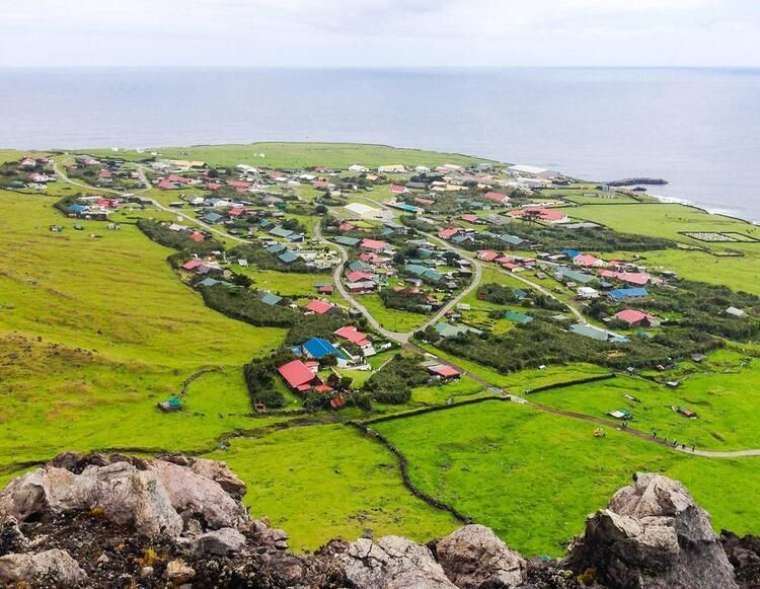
{"x": 392, "y": 562}
{"x": 652, "y": 536}
{"x": 51, "y": 566}
{"x": 473, "y": 556}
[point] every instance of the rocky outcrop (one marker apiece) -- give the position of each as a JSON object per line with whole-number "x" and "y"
{"x": 473, "y": 556}
{"x": 117, "y": 521}
{"x": 653, "y": 536}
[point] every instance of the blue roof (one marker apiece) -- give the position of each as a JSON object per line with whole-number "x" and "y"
{"x": 571, "y": 253}
{"x": 269, "y": 298}
{"x": 77, "y": 208}
{"x": 511, "y": 239}
{"x": 628, "y": 293}
{"x": 212, "y": 217}
{"x": 345, "y": 240}
{"x": 288, "y": 257}
{"x": 276, "y": 248}
{"x": 281, "y": 232}
{"x": 318, "y": 348}
{"x": 208, "y": 282}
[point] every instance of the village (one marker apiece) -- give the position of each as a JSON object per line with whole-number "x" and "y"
{"x": 408, "y": 242}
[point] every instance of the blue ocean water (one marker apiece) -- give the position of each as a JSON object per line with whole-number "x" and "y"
{"x": 697, "y": 128}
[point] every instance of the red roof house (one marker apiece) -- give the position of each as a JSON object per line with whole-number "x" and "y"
{"x": 298, "y": 375}
{"x": 587, "y": 261}
{"x": 344, "y": 227}
{"x": 497, "y": 197}
{"x": 470, "y": 218}
{"x": 488, "y": 255}
{"x": 447, "y": 232}
{"x": 353, "y": 335}
{"x": 319, "y": 307}
{"x": 192, "y": 264}
{"x": 444, "y": 371}
{"x": 358, "y": 276}
{"x": 550, "y": 215}
{"x": 425, "y": 202}
{"x": 197, "y": 236}
{"x": 634, "y": 318}
{"x": 373, "y": 245}
{"x": 238, "y": 184}
{"x": 398, "y": 189}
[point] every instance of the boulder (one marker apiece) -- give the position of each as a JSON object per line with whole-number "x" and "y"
{"x": 198, "y": 495}
{"x": 50, "y": 566}
{"x": 474, "y": 555}
{"x": 220, "y": 542}
{"x": 652, "y": 536}
{"x": 179, "y": 572}
{"x": 392, "y": 562}
{"x": 220, "y": 472}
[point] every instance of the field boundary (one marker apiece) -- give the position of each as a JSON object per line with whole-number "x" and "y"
{"x": 570, "y": 383}
{"x": 428, "y": 409}
{"x": 403, "y": 464}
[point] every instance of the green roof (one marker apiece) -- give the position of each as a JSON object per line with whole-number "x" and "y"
{"x": 517, "y": 317}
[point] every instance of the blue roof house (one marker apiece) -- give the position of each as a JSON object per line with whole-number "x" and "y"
{"x": 319, "y": 348}
{"x": 621, "y": 294}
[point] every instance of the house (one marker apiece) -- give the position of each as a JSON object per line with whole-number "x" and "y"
{"x": 621, "y": 294}
{"x": 423, "y": 202}
{"x": 281, "y": 232}
{"x": 399, "y": 189}
{"x": 587, "y": 293}
{"x": 191, "y": 265}
{"x": 373, "y": 245}
{"x": 361, "y": 287}
{"x": 470, "y": 218}
{"x": 517, "y": 317}
{"x": 596, "y": 333}
{"x": 356, "y": 337}
{"x": 358, "y": 276}
{"x": 634, "y": 318}
{"x": 488, "y": 255}
{"x": 270, "y": 299}
{"x": 212, "y": 218}
{"x": 298, "y": 376}
{"x": 448, "y": 232}
{"x": 347, "y": 241}
{"x": 358, "y": 169}
{"x": 318, "y": 306}
{"x": 588, "y": 261}
{"x": 327, "y": 289}
{"x": 444, "y": 371}
{"x": 510, "y": 239}
{"x": 548, "y": 215}
{"x": 392, "y": 169}
{"x": 288, "y": 257}
{"x": 567, "y": 275}
{"x": 318, "y": 348}
{"x": 497, "y": 198}
{"x": 448, "y": 330}
{"x": 635, "y": 278}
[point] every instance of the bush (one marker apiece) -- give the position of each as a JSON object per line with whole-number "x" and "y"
{"x": 393, "y": 383}
{"x": 245, "y": 305}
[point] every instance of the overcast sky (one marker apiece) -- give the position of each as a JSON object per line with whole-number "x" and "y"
{"x": 378, "y": 33}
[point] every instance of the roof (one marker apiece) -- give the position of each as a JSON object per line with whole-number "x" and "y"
{"x": 447, "y": 232}
{"x": 448, "y": 330}
{"x": 319, "y": 307}
{"x": 353, "y": 335}
{"x": 281, "y": 232}
{"x": 345, "y": 240}
{"x": 497, "y": 197}
{"x": 510, "y": 239}
{"x": 269, "y": 298}
{"x": 296, "y": 373}
{"x": 212, "y": 217}
{"x": 632, "y": 316}
{"x": 276, "y": 248}
{"x": 543, "y": 214}
{"x": 318, "y": 347}
{"x": 587, "y": 260}
{"x": 625, "y": 293}
{"x": 192, "y": 264}
{"x": 288, "y": 257}
{"x": 517, "y": 317}
{"x": 373, "y": 244}
{"x": 596, "y": 333}
{"x": 358, "y": 276}
{"x": 488, "y": 255}
{"x": 444, "y": 370}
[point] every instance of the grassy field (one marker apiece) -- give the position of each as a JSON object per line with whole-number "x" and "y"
{"x": 96, "y": 331}
{"x": 667, "y": 220}
{"x": 534, "y": 477}
{"x": 725, "y": 401}
{"x": 393, "y": 319}
{"x": 323, "y": 482}
{"x": 299, "y": 155}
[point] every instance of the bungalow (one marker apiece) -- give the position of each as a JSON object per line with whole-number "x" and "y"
{"x": 636, "y": 278}
{"x": 548, "y": 215}
{"x": 212, "y": 218}
{"x": 564, "y": 274}
{"x": 358, "y": 169}
{"x": 517, "y": 317}
{"x": 596, "y": 333}
{"x": 358, "y": 276}
{"x": 288, "y": 257}
{"x": 191, "y": 265}
{"x": 621, "y": 294}
{"x": 497, "y": 197}
{"x": 197, "y": 236}
{"x": 359, "y": 266}
{"x": 318, "y": 306}
{"x": 364, "y": 286}
{"x": 281, "y": 232}
{"x": 356, "y": 337}
{"x": 345, "y": 227}
{"x": 270, "y": 299}
{"x": 488, "y": 255}
{"x": 587, "y": 293}
{"x": 444, "y": 371}
{"x": 398, "y": 189}
{"x": 424, "y": 202}
{"x": 448, "y": 330}
{"x": 448, "y": 232}
{"x": 588, "y": 261}
{"x": 327, "y": 289}
{"x": 373, "y": 245}
{"x": 510, "y": 239}
{"x": 318, "y": 348}
{"x": 392, "y": 169}
{"x": 298, "y": 376}
{"x": 634, "y": 318}
{"x": 276, "y": 248}
{"x": 470, "y": 218}
{"x": 347, "y": 241}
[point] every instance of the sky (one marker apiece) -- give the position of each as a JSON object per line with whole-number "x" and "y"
{"x": 380, "y": 33}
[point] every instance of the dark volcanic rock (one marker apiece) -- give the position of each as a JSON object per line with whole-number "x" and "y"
{"x": 652, "y": 536}
{"x": 744, "y": 555}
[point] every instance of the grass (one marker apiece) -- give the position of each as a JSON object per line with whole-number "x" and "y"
{"x": 534, "y": 477}
{"x": 301, "y": 155}
{"x": 726, "y": 402}
{"x": 96, "y": 331}
{"x": 393, "y": 319}
{"x": 323, "y": 482}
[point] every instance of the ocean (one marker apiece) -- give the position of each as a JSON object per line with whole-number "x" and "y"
{"x": 697, "y": 128}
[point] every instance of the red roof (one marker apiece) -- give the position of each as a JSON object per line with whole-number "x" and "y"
{"x": 423, "y": 201}
{"x": 444, "y": 370}
{"x": 586, "y": 260}
{"x": 373, "y": 244}
{"x": 192, "y": 264}
{"x": 326, "y": 289}
{"x": 637, "y": 278}
{"x": 296, "y": 373}
{"x": 543, "y": 214}
{"x": 488, "y": 255}
{"x": 197, "y": 236}
{"x": 319, "y": 307}
{"x": 238, "y": 184}
{"x": 358, "y": 276}
{"x": 214, "y": 185}
{"x": 323, "y": 388}
{"x": 350, "y": 333}
{"x": 343, "y": 227}
{"x": 447, "y": 232}
{"x": 470, "y": 218}
{"x": 398, "y": 189}
{"x": 632, "y": 316}
{"x": 236, "y": 211}
{"x": 372, "y": 258}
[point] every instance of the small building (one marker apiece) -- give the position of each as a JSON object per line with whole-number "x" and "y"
{"x": 318, "y": 348}
{"x": 634, "y": 318}
{"x": 298, "y": 376}
{"x": 318, "y": 306}
{"x": 270, "y": 299}
{"x": 621, "y": 294}
{"x": 444, "y": 371}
